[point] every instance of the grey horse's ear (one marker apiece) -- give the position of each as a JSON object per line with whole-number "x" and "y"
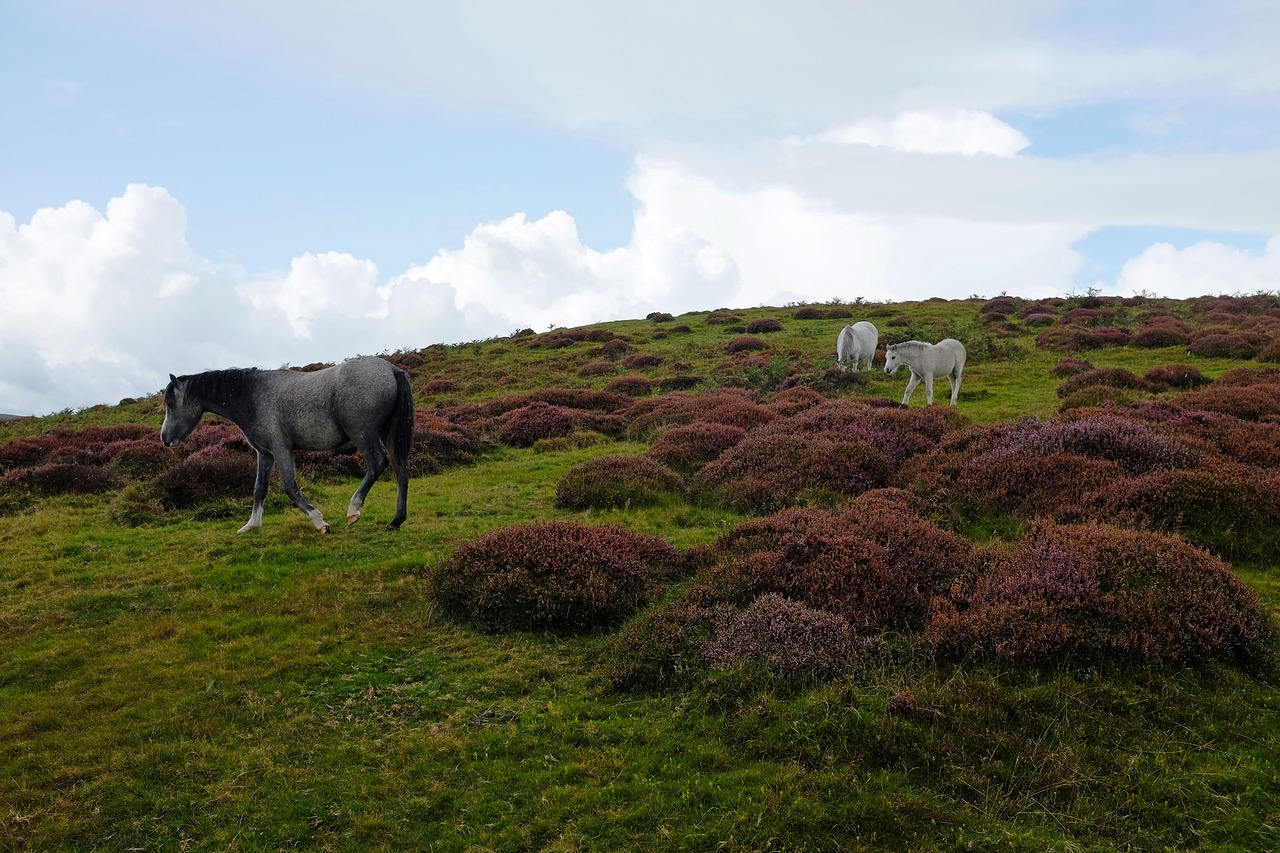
{"x": 173, "y": 379}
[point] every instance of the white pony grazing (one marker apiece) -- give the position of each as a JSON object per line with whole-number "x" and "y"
{"x": 855, "y": 343}
{"x": 927, "y": 361}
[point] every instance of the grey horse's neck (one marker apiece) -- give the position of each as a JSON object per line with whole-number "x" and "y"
{"x": 229, "y": 393}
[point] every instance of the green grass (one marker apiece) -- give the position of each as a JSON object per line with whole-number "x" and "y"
{"x": 176, "y": 686}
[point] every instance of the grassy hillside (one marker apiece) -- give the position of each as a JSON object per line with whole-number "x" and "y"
{"x": 168, "y": 684}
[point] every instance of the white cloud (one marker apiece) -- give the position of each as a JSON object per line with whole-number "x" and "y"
{"x": 967, "y": 132}
{"x": 1206, "y": 268}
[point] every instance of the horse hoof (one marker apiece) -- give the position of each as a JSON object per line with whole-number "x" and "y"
{"x": 352, "y": 519}
{"x": 324, "y": 529}
{"x": 393, "y": 526}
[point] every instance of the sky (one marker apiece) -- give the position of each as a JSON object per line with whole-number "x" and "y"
{"x": 192, "y": 186}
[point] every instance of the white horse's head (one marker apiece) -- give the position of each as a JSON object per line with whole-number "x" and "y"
{"x": 892, "y": 361}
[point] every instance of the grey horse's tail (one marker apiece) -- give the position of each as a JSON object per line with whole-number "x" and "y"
{"x": 398, "y": 437}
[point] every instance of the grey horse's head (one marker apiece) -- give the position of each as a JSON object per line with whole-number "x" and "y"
{"x": 181, "y": 413}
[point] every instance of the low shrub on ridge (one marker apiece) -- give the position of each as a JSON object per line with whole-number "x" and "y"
{"x": 552, "y": 575}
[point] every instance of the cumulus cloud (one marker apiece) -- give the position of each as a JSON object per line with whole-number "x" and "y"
{"x": 967, "y": 132}
{"x": 1205, "y": 268}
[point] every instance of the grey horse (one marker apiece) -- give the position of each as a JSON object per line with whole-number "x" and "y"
{"x": 366, "y": 401}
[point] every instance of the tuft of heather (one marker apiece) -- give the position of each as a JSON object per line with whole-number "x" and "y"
{"x": 1184, "y": 377}
{"x": 745, "y": 343}
{"x": 1092, "y": 593}
{"x": 1112, "y": 377}
{"x": 764, "y": 473}
{"x": 60, "y": 478}
{"x": 688, "y": 448}
{"x": 1232, "y": 509}
{"x": 214, "y": 475}
{"x": 523, "y": 426}
{"x": 794, "y": 643}
{"x": 552, "y": 575}
{"x": 764, "y": 325}
{"x": 1247, "y": 402}
{"x": 615, "y": 482}
{"x": 875, "y": 564}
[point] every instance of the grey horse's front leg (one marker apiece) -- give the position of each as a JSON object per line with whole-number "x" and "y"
{"x": 289, "y": 480}
{"x": 265, "y": 462}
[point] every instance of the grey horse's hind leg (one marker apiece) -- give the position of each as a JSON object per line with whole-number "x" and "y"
{"x": 289, "y": 480}
{"x": 954, "y": 379}
{"x": 375, "y": 462}
{"x": 265, "y": 462}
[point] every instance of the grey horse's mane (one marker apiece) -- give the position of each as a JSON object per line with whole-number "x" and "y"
{"x": 233, "y": 383}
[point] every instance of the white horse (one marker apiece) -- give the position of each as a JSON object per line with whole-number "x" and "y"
{"x": 926, "y": 361}
{"x": 855, "y": 343}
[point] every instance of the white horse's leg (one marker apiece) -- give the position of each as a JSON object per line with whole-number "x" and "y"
{"x": 265, "y": 462}
{"x": 954, "y": 379}
{"x": 928, "y": 389}
{"x": 911, "y": 386}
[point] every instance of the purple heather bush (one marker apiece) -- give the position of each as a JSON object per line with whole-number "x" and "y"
{"x": 688, "y": 448}
{"x": 1112, "y": 377}
{"x": 1184, "y": 377}
{"x": 60, "y": 478}
{"x": 745, "y": 343}
{"x": 523, "y": 426}
{"x": 763, "y": 473}
{"x": 763, "y": 325}
{"x": 1090, "y": 593}
{"x": 631, "y": 386}
{"x": 794, "y": 643}
{"x": 552, "y": 575}
{"x": 614, "y": 482}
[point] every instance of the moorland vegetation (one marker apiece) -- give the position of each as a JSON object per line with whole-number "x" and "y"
{"x": 679, "y": 582}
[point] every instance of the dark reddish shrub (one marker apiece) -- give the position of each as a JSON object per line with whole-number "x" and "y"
{"x": 597, "y": 368}
{"x": 1029, "y": 310}
{"x": 616, "y": 482}
{"x": 876, "y": 565}
{"x": 765, "y": 473}
{"x": 1114, "y": 377}
{"x": 439, "y": 386}
{"x": 1232, "y": 509}
{"x": 1229, "y": 345}
{"x": 1084, "y": 316}
{"x": 523, "y": 426}
{"x": 745, "y": 343}
{"x": 1091, "y": 593}
{"x": 1158, "y": 335}
{"x": 999, "y": 304}
{"x": 679, "y": 383}
{"x": 646, "y": 416}
{"x": 794, "y": 643}
{"x": 631, "y": 386}
{"x": 763, "y": 325}
{"x": 659, "y": 317}
{"x": 1248, "y": 402}
{"x": 1238, "y": 376}
{"x": 60, "y": 478}
{"x": 1028, "y": 482}
{"x": 139, "y": 457}
{"x": 23, "y": 453}
{"x": 337, "y": 464}
{"x": 615, "y": 349}
{"x": 1270, "y": 352}
{"x": 722, "y": 318}
{"x": 438, "y": 443}
{"x": 555, "y": 575}
{"x": 897, "y": 433}
{"x": 738, "y": 412}
{"x": 1071, "y": 366}
{"x": 1039, "y": 319}
{"x": 1097, "y": 395}
{"x": 1068, "y": 339}
{"x": 688, "y": 448}
{"x": 642, "y": 361}
{"x": 196, "y": 481}
{"x": 1111, "y": 336}
{"x": 792, "y": 401}
{"x": 663, "y": 648}
{"x": 1184, "y": 377}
